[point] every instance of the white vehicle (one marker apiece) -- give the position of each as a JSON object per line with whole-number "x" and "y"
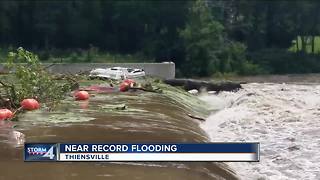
{"x": 134, "y": 73}
{"x": 98, "y": 73}
{"x": 116, "y": 73}
{"x": 109, "y": 73}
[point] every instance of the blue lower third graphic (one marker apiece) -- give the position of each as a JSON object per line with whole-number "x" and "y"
{"x": 40, "y": 152}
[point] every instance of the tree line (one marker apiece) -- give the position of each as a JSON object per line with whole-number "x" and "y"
{"x": 203, "y": 37}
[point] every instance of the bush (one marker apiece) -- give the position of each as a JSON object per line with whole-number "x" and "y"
{"x": 91, "y": 53}
{"x": 74, "y": 57}
{"x": 248, "y": 68}
{"x": 280, "y": 61}
{"x": 30, "y": 80}
{"x": 233, "y": 60}
{"x": 44, "y": 55}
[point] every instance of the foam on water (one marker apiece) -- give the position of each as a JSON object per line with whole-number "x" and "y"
{"x": 284, "y": 118}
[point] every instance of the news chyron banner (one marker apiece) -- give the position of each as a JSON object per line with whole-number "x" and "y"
{"x": 247, "y": 152}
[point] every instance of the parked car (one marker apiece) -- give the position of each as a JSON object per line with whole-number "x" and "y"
{"x": 116, "y": 73}
{"x": 134, "y": 73}
{"x": 99, "y": 73}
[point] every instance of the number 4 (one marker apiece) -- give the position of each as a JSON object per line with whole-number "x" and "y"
{"x": 49, "y": 154}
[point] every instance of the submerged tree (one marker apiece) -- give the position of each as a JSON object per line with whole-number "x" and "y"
{"x": 29, "y": 79}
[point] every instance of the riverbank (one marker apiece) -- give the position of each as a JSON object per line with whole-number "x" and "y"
{"x": 284, "y": 118}
{"x": 287, "y": 78}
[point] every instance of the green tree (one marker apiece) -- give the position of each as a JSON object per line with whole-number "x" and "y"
{"x": 203, "y": 37}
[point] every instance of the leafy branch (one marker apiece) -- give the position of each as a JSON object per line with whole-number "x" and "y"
{"x": 29, "y": 79}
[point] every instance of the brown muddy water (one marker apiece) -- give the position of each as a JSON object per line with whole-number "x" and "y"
{"x": 149, "y": 117}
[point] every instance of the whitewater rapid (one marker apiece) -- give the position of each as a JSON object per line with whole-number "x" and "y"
{"x": 284, "y": 118}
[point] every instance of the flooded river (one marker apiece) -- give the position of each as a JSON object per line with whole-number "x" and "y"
{"x": 149, "y": 117}
{"x": 281, "y": 112}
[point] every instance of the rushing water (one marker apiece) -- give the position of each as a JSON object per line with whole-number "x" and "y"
{"x": 149, "y": 117}
{"x": 284, "y": 117}
{"x": 280, "y": 112}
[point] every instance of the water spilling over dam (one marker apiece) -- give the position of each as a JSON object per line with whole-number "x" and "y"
{"x": 284, "y": 118}
{"x": 149, "y": 117}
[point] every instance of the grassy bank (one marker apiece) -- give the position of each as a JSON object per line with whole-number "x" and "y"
{"x": 298, "y": 47}
{"x": 93, "y": 55}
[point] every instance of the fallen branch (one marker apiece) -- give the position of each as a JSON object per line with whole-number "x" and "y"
{"x": 196, "y": 117}
{"x": 11, "y": 92}
{"x": 147, "y": 90}
{"x": 189, "y": 84}
{"x": 17, "y": 111}
{"x": 4, "y": 84}
{"x": 50, "y": 65}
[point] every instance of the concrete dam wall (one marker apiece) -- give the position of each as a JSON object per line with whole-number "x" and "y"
{"x": 164, "y": 70}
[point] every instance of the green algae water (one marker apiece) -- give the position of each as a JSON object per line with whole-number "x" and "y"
{"x": 115, "y": 117}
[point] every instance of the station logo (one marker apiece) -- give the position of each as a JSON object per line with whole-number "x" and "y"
{"x": 40, "y": 152}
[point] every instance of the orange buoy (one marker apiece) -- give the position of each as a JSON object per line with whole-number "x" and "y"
{"x": 30, "y": 104}
{"x": 5, "y": 114}
{"x": 82, "y": 95}
{"x": 124, "y": 87}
